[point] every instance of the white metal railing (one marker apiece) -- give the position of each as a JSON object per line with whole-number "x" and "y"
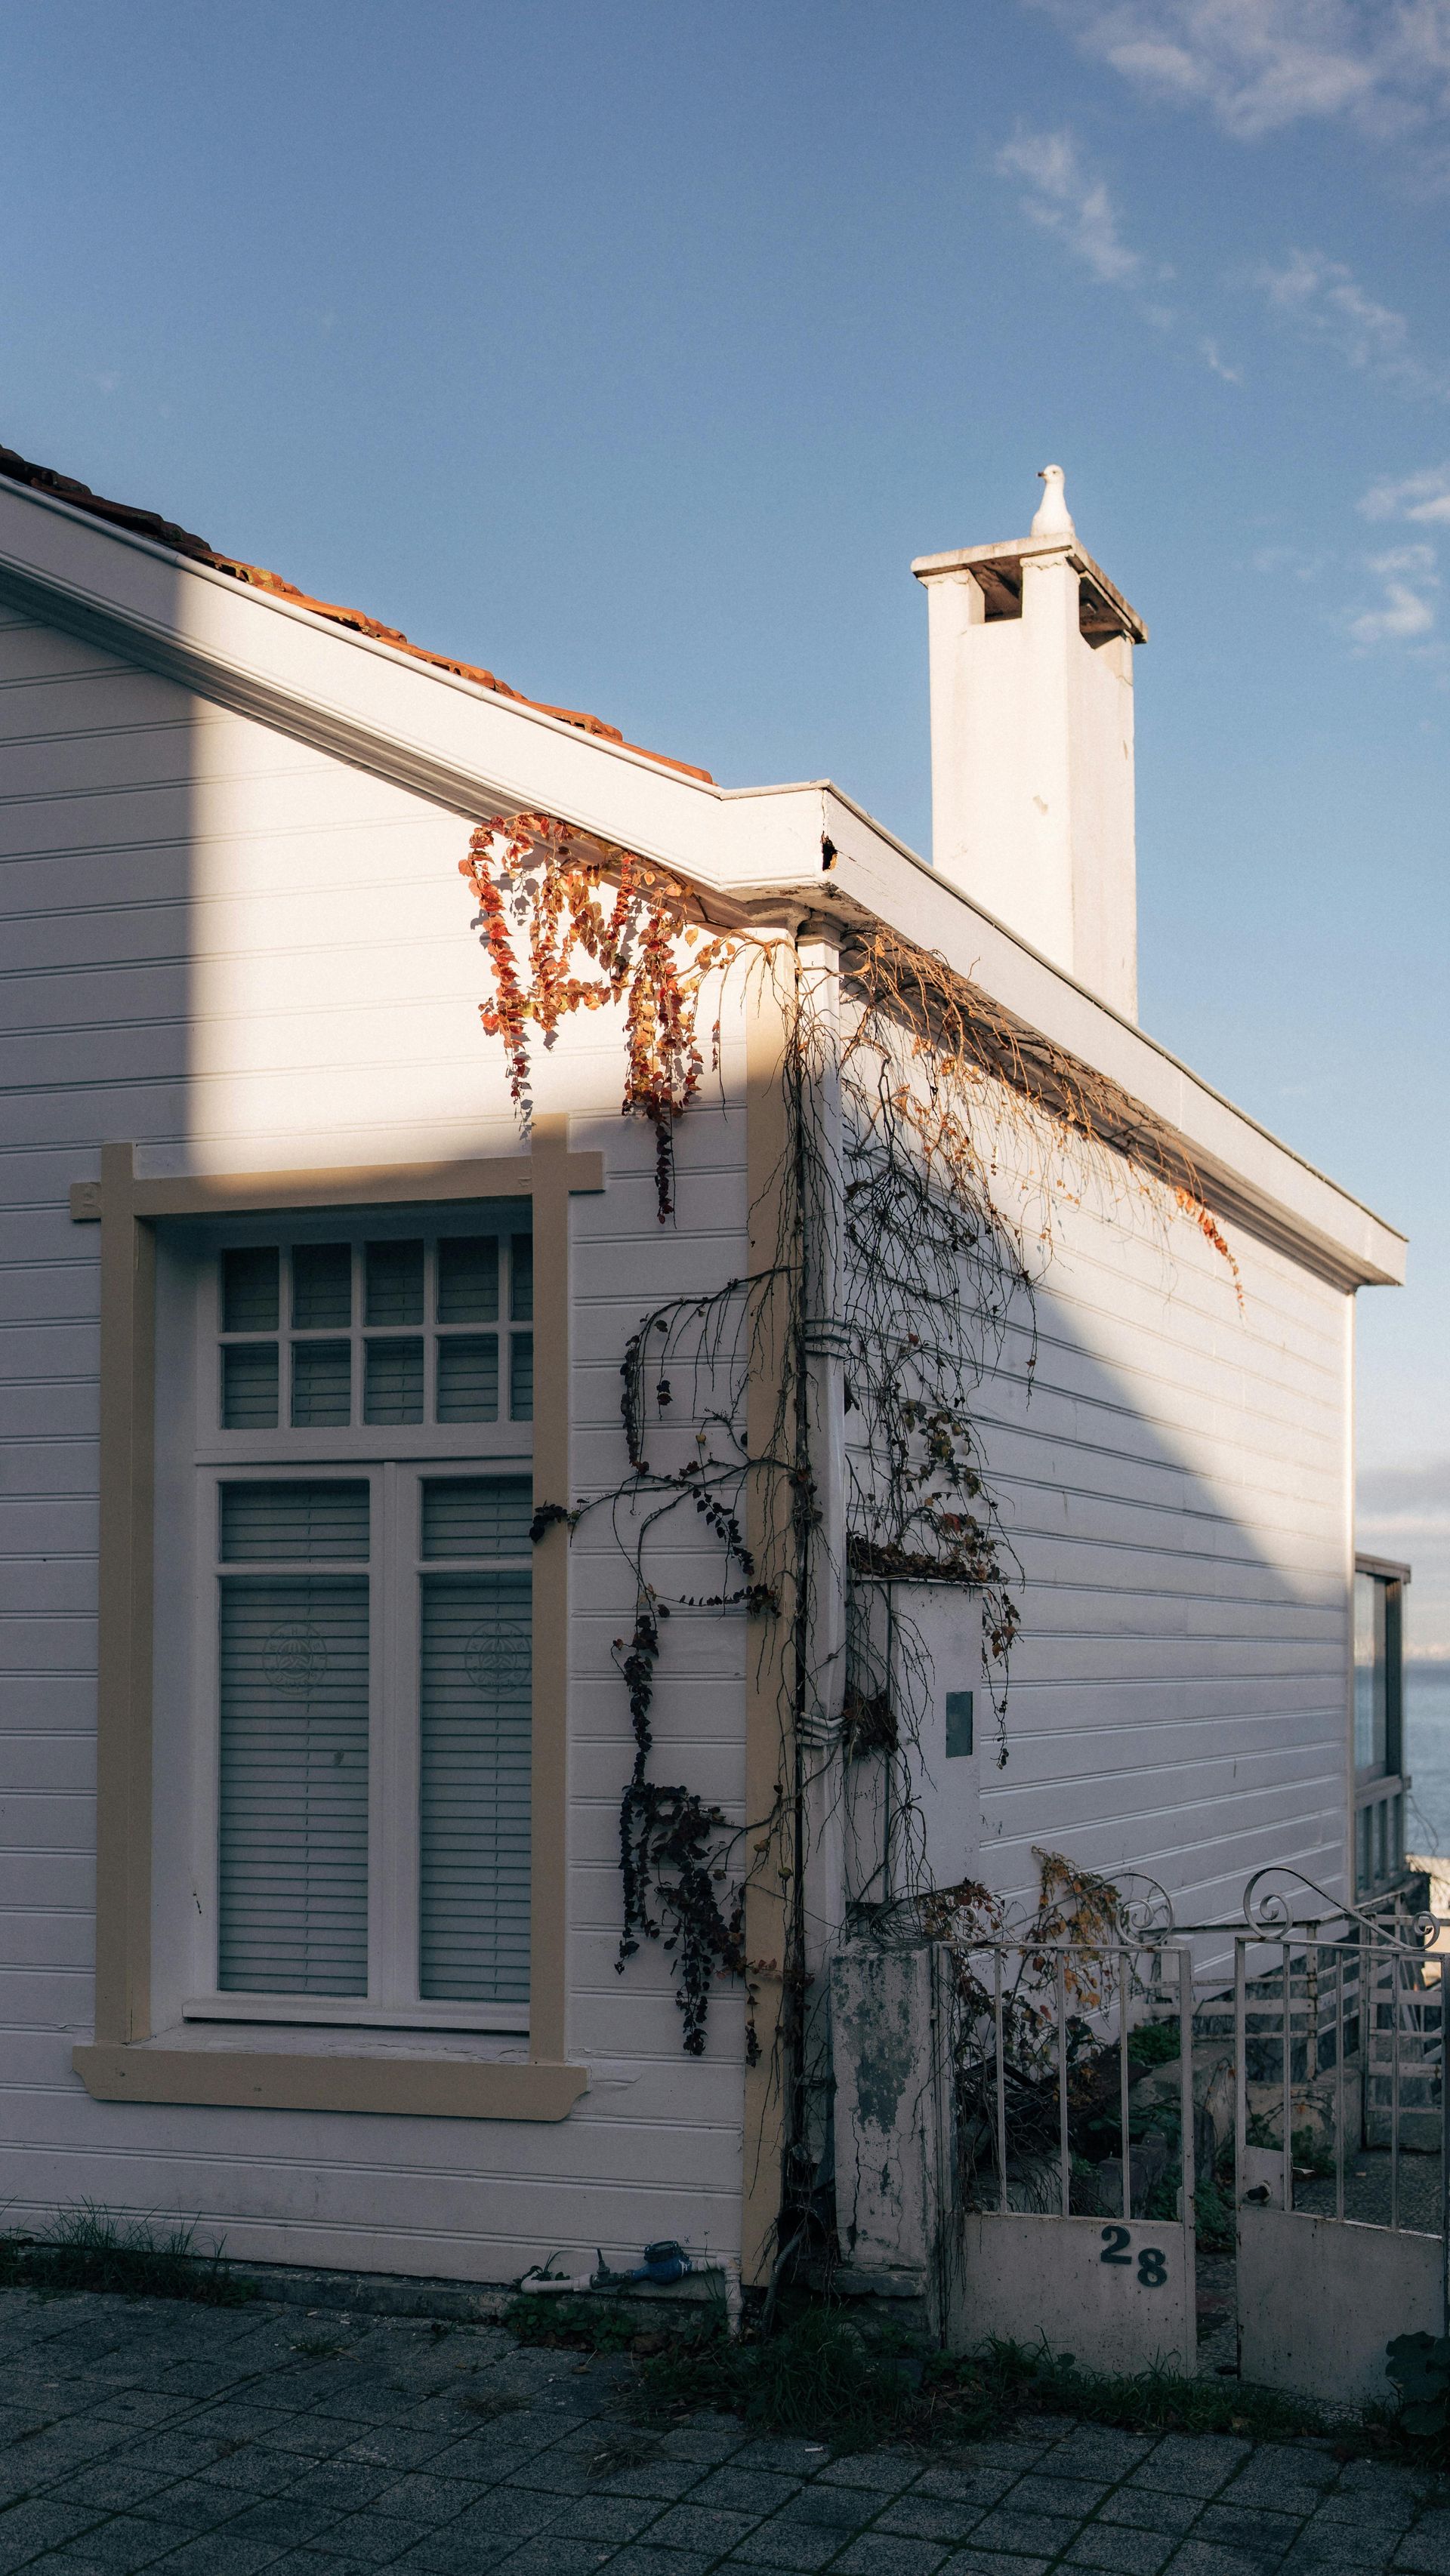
{"x": 1379, "y": 1836}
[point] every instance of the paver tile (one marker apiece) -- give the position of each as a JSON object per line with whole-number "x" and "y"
{"x": 793, "y": 2459}
{"x": 1142, "y": 2509}
{"x": 444, "y": 2553}
{"x": 1362, "y": 2508}
{"x": 823, "y": 2508}
{"x": 739, "y": 2490}
{"x": 639, "y": 2561}
{"x": 965, "y": 2486}
{"x": 253, "y": 2471}
{"x": 877, "y": 2554}
{"x": 376, "y": 2538}
{"x": 885, "y": 2471}
{"x": 208, "y": 2450}
{"x": 991, "y": 2562}
{"x": 1216, "y": 2558}
{"x": 218, "y": 2554}
{"x": 397, "y": 2446}
{"x": 344, "y": 2484}
{"x": 1248, "y": 2526}
{"x": 28, "y": 2528}
{"x": 1035, "y": 2535}
{"x": 924, "y": 2517}
{"x": 708, "y": 2442}
{"x": 694, "y": 2526}
{"x": 308, "y": 2562}
{"x": 1111, "y": 2545}
{"x": 559, "y": 2556}
{"x": 1426, "y": 2548}
{"x": 420, "y": 2497}
{"x": 1297, "y": 2464}
{"x": 799, "y": 2547}
{"x": 1038, "y": 2494}
{"x": 1094, "y": 2451}
{"x": 1015, "y": 2451}
{"x": 125, "y": 2543}
{"x": 129, "y": 2406}
{"x": 666, "y": 2480}
{"x": 1191, "y": 2463}
{"x": 507, "y": 2514}
{"x": 551, "y": 2473}
{"x": 111, "y": 2485}
{"x": 286, "y": 2520}
{"x": 614, "y": 2518}
{"x": 1328, "y": 2549}
{"x": 193, "y": 2504}
{"x": 177, "y": 2455}
{"x": 1381, "y": 2480}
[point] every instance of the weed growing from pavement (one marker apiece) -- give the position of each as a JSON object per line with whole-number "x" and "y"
{"x": 826, "y": 2376}
{"x": 982, "y": 2393}
{"x": 86, "y": 2248}
{"x": 489, "y": 2403}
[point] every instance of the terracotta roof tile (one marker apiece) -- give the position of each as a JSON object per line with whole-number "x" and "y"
{"x": 165, "y": 532}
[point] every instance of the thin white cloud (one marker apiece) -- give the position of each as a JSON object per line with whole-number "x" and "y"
{"x": 1067, "y": 199}
{"x": 1208, "y": 350}
{"x": 1295, "y": 561}
{"x": 1404, "y": 613}
{"x": 1424, "y": 499}
{"x": 1257, "y": 66}
{"x": 1327, "y": 301}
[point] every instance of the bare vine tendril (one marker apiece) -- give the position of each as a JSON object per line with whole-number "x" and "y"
{"x": 894, "y": 1285}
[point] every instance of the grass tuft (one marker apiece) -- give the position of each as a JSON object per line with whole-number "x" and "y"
{"x": 588, "y": 2325}
{"x": 823, "y": 2377}
{"x": 983, "y": 2393}
{"x": 86, "y": 2248}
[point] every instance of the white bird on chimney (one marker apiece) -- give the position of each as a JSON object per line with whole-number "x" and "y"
{"x": 1053, "y": 518}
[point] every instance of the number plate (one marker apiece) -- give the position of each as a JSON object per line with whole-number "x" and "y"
{"x": 1151, "y": 2261}
{"x": 1118, "y": 2295}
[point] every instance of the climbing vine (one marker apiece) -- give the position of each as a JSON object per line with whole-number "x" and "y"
{"x": 890, "y": 1279}
{"x": 538, "y": 880}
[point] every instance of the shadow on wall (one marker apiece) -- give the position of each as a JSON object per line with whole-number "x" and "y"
{"x": 1178, "y": 1695}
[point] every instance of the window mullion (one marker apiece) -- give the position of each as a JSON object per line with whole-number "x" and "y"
{"x": 394, "y": 1907}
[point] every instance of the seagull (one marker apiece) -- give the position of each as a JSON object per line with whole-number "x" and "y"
{"x": 1053, "y": 519}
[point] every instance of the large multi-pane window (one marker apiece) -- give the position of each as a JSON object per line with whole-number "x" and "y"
{"x": 1380, "y": 1780}
{"x": 364, "y": 1500}
{"x": 319, "y": 1335}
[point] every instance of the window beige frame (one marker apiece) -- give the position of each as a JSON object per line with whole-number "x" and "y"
{"x": 124, "y": 2063}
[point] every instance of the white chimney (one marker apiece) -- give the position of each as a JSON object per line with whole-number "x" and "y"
{"x": 1032, "y": 744}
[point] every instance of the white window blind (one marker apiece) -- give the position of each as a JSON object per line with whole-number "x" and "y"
{"x": 475, "y": 1748}
{"x": 294, "y": 1740}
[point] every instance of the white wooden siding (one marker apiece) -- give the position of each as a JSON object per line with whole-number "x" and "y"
{"x": 239, "y": 953}
{"x": 1175, "y": 1483}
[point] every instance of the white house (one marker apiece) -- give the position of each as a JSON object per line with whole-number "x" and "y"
{"x": 316, "y": 1761}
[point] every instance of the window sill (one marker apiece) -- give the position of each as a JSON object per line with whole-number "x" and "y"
{"x": 320, "y": 2012}
{"x": 434, "y": 2075}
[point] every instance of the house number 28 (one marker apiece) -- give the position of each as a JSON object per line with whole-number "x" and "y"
{"x": 1152, "y": 2264}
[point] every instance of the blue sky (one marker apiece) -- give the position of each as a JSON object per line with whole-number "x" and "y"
{"x": 635, "y": 352}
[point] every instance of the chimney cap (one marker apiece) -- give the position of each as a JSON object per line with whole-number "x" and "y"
{"x": 1104, "y": 606}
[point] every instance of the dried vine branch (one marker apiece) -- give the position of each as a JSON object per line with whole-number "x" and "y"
{"x": 537, "y": 876}
{"x": 894, "y": 1278}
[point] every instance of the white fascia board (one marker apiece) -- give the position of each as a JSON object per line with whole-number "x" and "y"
{"x": 463, "y": 747}
{"x": 1241, "y": 1165}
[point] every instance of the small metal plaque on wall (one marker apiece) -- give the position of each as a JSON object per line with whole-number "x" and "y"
{"x": 959, "y": 1723}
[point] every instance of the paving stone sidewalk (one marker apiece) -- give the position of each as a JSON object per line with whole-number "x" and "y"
{"x": 216, "y": 2442}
